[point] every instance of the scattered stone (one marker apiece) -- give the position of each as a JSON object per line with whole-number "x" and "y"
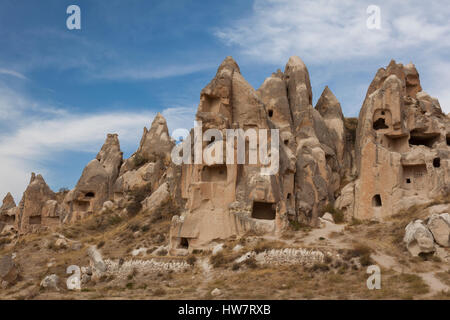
{"x": 328, "y": 217}
{"x": 439, "y": 226}
{"x": 216, "y": 292}
{"x": 237, "y": 248}
{"x": 217, "y": 248}
{"x": 96, "y": 259}
{"x": 85, "y": 278}
{"x": 418, "y": 238}
{"x": 139, "y": 251}
{"x": 50, "y": 282}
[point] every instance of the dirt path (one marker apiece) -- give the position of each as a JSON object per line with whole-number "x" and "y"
{"x": 207, "y": 276}
{"x": 389, "y": 262}
{"x": 435, "y": 284}
{"x": 315, "y": 235}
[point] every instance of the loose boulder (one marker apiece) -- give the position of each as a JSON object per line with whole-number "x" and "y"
{"x": 439, "y": 225}
{"x": 9, "y": 271}
{"x": 50, "y": 282}
{"x": 418, "y": 238}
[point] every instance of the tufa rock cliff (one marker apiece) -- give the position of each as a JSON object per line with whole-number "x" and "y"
{"x": 394, "y": 156}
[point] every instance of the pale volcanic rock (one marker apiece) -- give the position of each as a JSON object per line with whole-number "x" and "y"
{"x": 401, "y": 150}
{"x": 155, "y": 142}
{"x": 8, "y": 212}
{"x": 8, "y": 203}
{"x": 273, "y": 93}
{"x": 439, "y": 226}
{"x": 9, "y": 270}
{"x": 146, "y": 167}
{"x": 95, "y": 185}
{"x": 299, "y": 88}
{"x": 33, "y": 201}
{"x": 157, "y": 199}
{"x": 418, "y": 238}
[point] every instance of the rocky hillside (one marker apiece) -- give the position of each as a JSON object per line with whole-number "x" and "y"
{"x": 338, "y": 194}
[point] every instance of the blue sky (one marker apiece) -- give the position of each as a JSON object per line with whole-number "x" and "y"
{"x": 62, "y": 91}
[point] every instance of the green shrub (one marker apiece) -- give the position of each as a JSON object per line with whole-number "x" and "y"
{"x": 139, "y": 160}
{"x": 338, "y": 215}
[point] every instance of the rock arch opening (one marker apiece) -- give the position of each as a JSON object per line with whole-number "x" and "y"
{"x": 427, "y": 140}
{"x": 376, "y": 201}
{"x": 436, "y": 162}
{"x": 380, "y": 124}
{"x": 263, "y": 210}
{"x": 184, "y": 243}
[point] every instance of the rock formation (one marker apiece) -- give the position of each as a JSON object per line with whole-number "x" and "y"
{"x": 225, "y": 199}
{"x": 148, "y": 164}
{"x": 96, "y": 183}
{"x": 394, "y": 156}
{"x": 402, "y": 147}
{"x": 33, "y": 213}
{"x": 8, "y": 213}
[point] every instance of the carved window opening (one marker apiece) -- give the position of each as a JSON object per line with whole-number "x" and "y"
{"x": 376, "y": 201}
{"x": 263, "y": 210}
{"x": 380, "y": 124}
{"x": 270, "y": 113}
{"x": 90, "y": 195}
{"x": 184, "y": 243}
{"x": 436, "y": 162}
{"x": 422, "y": 140}
{"x": 414, "y": 176}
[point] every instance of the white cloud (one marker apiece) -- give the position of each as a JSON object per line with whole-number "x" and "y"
{"x": 38, "y": 137}
{"x": 323, "y": 30}
{"x": 148, "y": 72}
{"x": 334, "y": 33}
{"x": 13, "y": 73}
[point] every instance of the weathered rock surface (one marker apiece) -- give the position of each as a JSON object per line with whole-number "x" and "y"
{"x": 29, "y": 216}
{"x": 50, "y": 282}
{"x": 95, "y": 185}
{"x": 97, "y": 263}
{"x": 402, "y": 152}
{"x": 439, "y": 226}
{"x": 8, "y": 212}
{"x": 418, "y": 238}
{"x": 9, "y": 271}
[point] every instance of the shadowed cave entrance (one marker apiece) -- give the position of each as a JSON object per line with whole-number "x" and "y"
{"x": 422, "y": 139}
{"x": 376, "y": 201}
{"x": 380, "y": 124}
{"x": 184, "y": 243}
{"x": 263, "y": 210}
